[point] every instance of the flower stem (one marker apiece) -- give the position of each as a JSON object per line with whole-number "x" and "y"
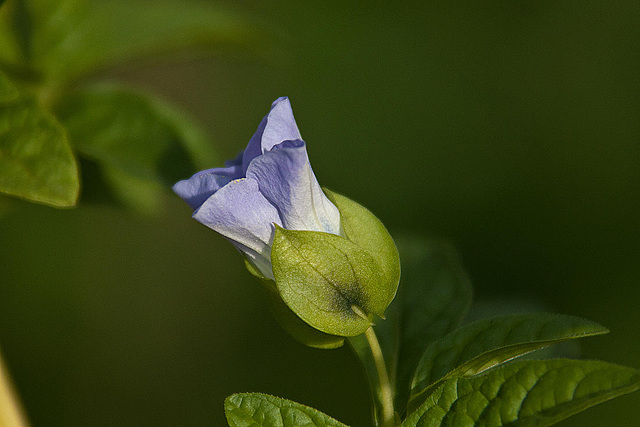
{"x": 386, "y": 391}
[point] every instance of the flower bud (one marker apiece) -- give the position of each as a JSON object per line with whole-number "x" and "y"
{"x": 326, "y": 258}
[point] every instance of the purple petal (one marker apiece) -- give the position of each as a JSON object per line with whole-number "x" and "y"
{"x": 202, "y": 185}
{"x": 287, "y": 181}
{"x": 276, "y": 127}
{"x": 242, "y": 214}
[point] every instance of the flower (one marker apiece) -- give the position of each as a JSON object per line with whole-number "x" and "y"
{"x": 270, "y": 182}
{"x": 330, "y": 264}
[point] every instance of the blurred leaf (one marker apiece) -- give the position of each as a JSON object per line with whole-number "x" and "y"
{"x": 487, "y": 343}
{"x": 526, "y": 393}
{"x": 40, "y": 27}
{"x": 327, "y": 280}
{"x": 8, "y": 50}
{"x": 66, "y": 38}
{"x": 262, "y": 410}
{"x": 13, "y": 30}
{"x": 7, "y": 204}
{"x": 36, "y": 162}
{"x": 135, "y": 133}
{"x": 8, "y": 91}
{"x": 435, "y": 294}
{"x": 138, "y": 195}
{"x": 104, "y": 185}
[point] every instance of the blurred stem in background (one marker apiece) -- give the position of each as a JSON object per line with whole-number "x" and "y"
{"x": 11, "y": 414}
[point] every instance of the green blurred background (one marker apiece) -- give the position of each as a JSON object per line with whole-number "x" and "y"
{"x": 510, "y": 128}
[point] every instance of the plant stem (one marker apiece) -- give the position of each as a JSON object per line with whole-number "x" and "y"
{"x": 386, "y": 391}
{"x": 11, "y": 414}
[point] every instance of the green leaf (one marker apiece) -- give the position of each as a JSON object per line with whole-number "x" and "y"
{"x": 10, "y": 49}
{"x": 435, "y": 294}
{"x": 480, "y": 345}
{"x": 64, "y": 39}
{"x": 134, "y": 133}
{"x": 298, "y": 329}
{"x": 262, "y": 410}
{"x": 36, "y": 162}
{"x": 328, "y": 281}
{"x": 525, "y": 393}
{"x": 364, "y": 229}
{"x": 494, "y": 306}
{"x": 8, "y": 91}
{"x": 42, "y": 26}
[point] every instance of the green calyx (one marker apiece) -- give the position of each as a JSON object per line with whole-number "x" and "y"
{"x": 365, "y": 230}
{"x": 334, "y": 283}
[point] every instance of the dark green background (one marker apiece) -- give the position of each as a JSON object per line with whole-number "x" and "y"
{"x": 510, "y": 128}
